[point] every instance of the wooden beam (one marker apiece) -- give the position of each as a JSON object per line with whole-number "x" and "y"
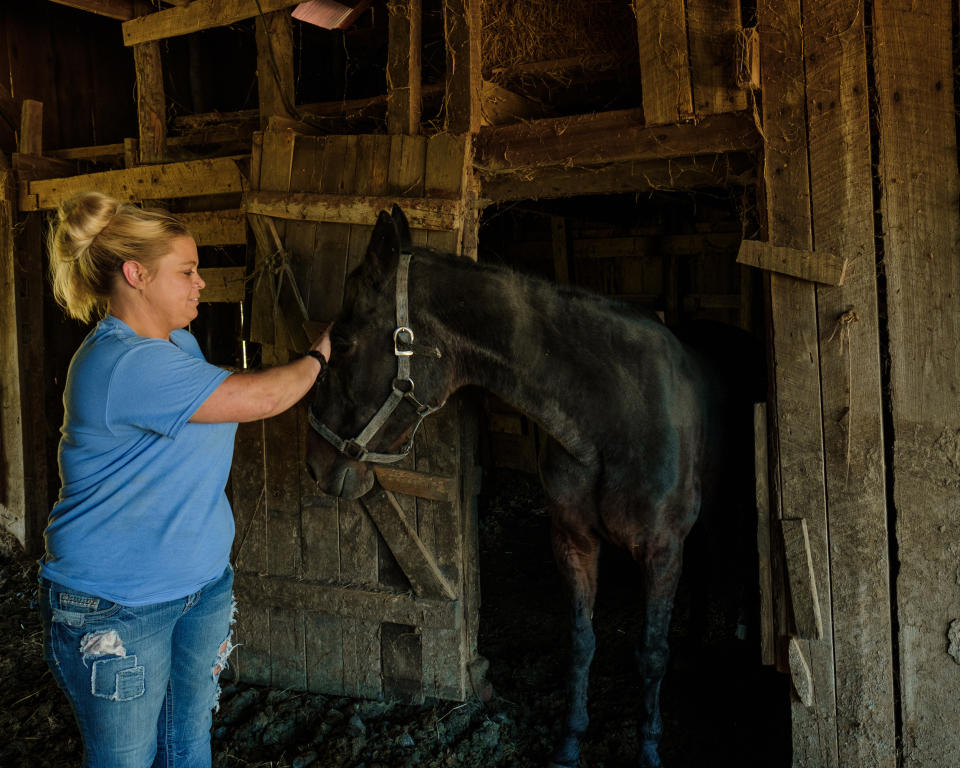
{"x": 40, "y": 167}
{"x": 217, "y": 227}
{"x": 190, "y": 179}
{"x": 352, "y": 602}
{"x": 224, "y": 284}
{"x": 420, "y": 484}
{"x": 914, "y": 50}
{"x": 713, "y": 27}
{"x": 122, "y": 10}
{"x": 463, "y": 28}
{"x": 842, "y": 171}
{"x": 499, "y": 106}
{"x": 405, "y": 24}
{"x": 609, "y": 137}
{"x": 151, "y": 98}
{"x": 664, "y": 60}
{"x": 418, "y": 565}
{"x": 796, "y": 415}
{"x": 761, "y": 468}
{"x": 423, "y": 213}
{"x": 198, "y": 15}
{"x": 275, "y": 84}
{"x": 815, "y": 266}
{"x": 30, "y": 141}
{"x": 803, "y": 580}
{"x": 718, "y": 170}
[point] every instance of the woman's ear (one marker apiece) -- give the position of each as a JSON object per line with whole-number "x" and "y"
{"x": 134, "y": 274}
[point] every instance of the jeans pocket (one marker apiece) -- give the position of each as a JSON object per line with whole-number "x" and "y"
{"x": 117, "y": 678}
{"x": 75, "y": 608}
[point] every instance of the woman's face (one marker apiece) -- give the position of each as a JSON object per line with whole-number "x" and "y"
{"x": 173, "y": 289}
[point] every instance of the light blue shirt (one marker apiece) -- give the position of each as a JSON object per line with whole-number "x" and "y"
{"x": 142, "y": 515}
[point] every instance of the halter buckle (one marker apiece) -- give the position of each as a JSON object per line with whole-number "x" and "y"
{"x": 397, "y": 340}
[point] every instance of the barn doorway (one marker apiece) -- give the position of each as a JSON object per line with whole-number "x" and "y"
{"x": 673, "y": 253}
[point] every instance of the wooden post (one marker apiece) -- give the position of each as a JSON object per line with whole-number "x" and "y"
{"x": 275, "y": 84}
{"x": 151, "y": 99}
{"x": 664, "y": 60}
{"x": 796, "y": 416}
{"x": 403, "y": 67}
{"x": 23, "y": 482}
{"x": 462, "y": 29}
{"x": 31, "y": 128}
{"x": 918, "y": 173}
{"x": 835, "y": 65}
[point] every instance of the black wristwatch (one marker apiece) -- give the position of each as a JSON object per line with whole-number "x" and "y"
{"x": 318, "y": 356}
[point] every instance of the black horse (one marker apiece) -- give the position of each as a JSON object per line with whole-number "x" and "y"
{"x": 636, "y": 421}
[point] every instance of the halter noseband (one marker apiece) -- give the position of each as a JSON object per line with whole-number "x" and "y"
{"x": 401, "y": 389}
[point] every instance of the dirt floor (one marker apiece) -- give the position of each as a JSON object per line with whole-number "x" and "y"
{"x": 717, "y": 699}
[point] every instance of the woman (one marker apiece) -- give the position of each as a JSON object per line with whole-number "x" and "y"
{"x": 136, "y": 586}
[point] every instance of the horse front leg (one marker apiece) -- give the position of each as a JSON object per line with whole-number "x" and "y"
{"x": 577, "y": 556}
{"x": 661, "y": 563}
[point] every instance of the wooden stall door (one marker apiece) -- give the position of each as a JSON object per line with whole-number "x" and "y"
{"x": 374, "y": 598}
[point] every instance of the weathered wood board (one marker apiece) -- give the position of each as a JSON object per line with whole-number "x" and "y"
{"x": 915, "y": 72}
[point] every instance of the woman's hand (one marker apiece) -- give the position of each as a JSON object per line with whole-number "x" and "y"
{"x": 322, "y": 345}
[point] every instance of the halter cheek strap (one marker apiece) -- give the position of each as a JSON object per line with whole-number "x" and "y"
{"x": 401, "y": 389}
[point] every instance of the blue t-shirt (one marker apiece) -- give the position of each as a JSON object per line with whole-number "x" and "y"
{"x": 142, "y": 515}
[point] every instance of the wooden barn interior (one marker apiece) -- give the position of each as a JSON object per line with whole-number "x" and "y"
{"x": 789, "y": 168}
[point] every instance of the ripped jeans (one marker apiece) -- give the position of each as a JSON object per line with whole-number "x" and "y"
{"x": 142, "y": 680}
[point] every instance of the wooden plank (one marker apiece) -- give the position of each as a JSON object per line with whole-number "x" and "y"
{"x": 151, "y": 102}
{"x": 445, "y": 176}
{"x": 248, "y": 499}
{"x": 198, "y": 15}
{"x": 13, "y": 490}
{"x": 354, "y": 601}
{"x": 718, "y": 170}
{"x": 800, "y": 673}
{"x": 462, "y": 30}
{"x": 768, "y": 653}
{"x": 803, "y": 580}
{"x": 422, "y": 213}
{"x": 914, "y": 64}
{"x": 252, "y": 659}
{"x": 122, "y": 10}
{"x": 793, "y": 327}
{"x": 815, "y": 266}
{"x": 842, "y": 202}
{"x": 30, "y": 141}
{"x": 282, "y": 494}
{"x": 404, "y": 24}
{"x": 417, "y": 563}
{"x": 714, "y": 27}
{"x": 664, "y": 60}
{"x": 99, "y": 152}
{"x": 275, "y": 80}
{"x": 288, "y": 668}
{"x": 28, "y": 167}
{"x": 402, "y": 656}
{"x": 216, "y": 227}
{"x": 223, "y": 284}
{"x": 609, "y": 137}
{"x": 499, "y": 106}
{"x": 423, "y": 485}
{"x": 323, "y": 645}
{"x": 217, "y": 176}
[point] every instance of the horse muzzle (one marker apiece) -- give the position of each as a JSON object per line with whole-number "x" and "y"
{"x": 334, "y": 473}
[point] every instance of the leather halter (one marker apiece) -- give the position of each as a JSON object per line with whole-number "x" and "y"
{"x": 401, "y": 389}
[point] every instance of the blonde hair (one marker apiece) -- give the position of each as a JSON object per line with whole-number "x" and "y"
{"x": 92, "y": 237}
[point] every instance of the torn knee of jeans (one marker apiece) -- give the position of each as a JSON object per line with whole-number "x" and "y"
{"x": 106, "y": 643}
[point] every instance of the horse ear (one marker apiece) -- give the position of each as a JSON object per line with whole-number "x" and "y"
{"x": 384, "y": 244}
{"x": 403, "y": 228}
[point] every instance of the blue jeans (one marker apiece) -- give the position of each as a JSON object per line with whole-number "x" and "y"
{"x": 143, "y": 680}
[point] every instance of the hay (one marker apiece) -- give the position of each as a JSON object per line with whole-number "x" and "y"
{"x": 524, "y": 31}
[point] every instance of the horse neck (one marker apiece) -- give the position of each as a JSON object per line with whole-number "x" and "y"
{"x": 514, "y": 337}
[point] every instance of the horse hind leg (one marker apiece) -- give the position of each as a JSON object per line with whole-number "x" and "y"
{"x": 577, "y": 555}
{"x": 661, "y": 563}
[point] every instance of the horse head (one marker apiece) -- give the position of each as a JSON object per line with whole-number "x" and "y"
{"x": 382, "y": 379}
